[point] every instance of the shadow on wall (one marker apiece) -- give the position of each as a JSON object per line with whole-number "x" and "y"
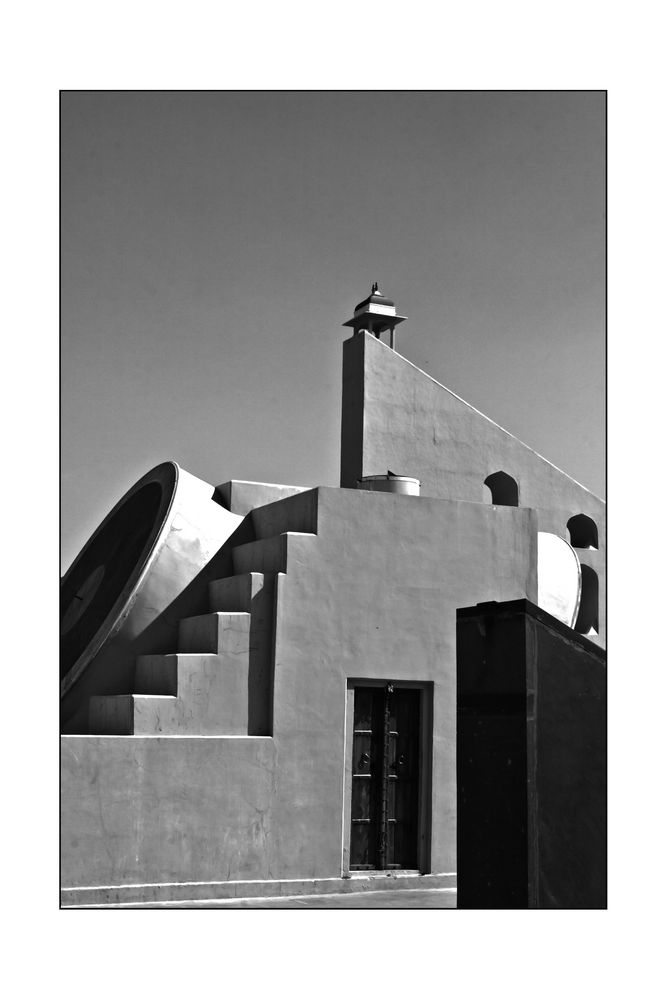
{"x": 587, "y": 619}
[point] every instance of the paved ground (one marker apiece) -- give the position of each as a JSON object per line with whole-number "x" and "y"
{"x": 386, "y": 899}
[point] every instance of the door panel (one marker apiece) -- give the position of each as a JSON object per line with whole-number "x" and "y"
{"x": 404, "y": 773}
{"x": 385, "y": 778}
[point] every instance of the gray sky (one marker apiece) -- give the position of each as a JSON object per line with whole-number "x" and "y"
{"x": 213, "y": 243}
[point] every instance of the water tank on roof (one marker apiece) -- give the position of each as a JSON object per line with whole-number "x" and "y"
{"x": 405, "y": 485}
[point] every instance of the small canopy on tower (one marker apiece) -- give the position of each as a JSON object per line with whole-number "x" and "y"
{"x": 376, "y": 314}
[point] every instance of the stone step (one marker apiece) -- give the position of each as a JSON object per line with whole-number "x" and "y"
{"x": 267, "y": 555}
{"x": 296, "y": 513}
{"x": 128, "y": 714}
{"x": 208, "y": 695}
{"x": 159, "y": 673}
{"x": 255, "y": 593}
{"x": 242, "y": 496}
{"x": 235, "y": 593}
{"x": 226, "y": 633}
{"x": 213, "y": 693}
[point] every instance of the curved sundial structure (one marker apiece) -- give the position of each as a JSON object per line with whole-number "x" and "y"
{"x": 118, "y": 597}
{"x": 558, "y": 578}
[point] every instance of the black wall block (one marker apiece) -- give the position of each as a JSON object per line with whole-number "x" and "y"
{"x": 531, "y": 761}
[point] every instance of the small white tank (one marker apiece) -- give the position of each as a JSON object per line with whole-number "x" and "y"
{"x": 390, "y": 483}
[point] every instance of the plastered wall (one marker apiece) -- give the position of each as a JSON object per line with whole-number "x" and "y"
{"x": 397, "y": 417}
{"x": 373, "y": 595}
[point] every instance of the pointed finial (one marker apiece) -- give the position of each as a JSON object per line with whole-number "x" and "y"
{"x": 374, "y": 288}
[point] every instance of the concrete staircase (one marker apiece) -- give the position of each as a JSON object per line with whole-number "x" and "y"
{"x": 220, "y": 681}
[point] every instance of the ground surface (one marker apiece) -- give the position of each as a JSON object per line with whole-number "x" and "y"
{"x": 386, "y": 899}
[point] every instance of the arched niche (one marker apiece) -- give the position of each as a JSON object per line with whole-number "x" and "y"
{"x": 583, "y": 532}
{"x": 502, "y": 490}
{"x": 587, "y": 619}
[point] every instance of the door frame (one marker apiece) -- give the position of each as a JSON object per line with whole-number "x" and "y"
{"x": 425, "y": 769}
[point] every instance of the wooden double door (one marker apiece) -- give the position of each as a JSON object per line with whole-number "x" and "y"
{"x": 385, "y": 778}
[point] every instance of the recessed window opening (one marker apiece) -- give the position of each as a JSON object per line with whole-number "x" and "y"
{"x": 583, "y": 532}
{"x": 587, "y": 619}
{"x": 503, "y": 491}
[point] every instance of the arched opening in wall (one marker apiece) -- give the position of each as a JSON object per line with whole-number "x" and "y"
{"x": 583, "y": 532}
{"x": 587, "y": 619}
{"x": 503, "y": 491}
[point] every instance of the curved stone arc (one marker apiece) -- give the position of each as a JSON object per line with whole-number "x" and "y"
{"x": 163, "y": 478}
{"x": 558, "y": 578}
{"x": 173, "y": 550}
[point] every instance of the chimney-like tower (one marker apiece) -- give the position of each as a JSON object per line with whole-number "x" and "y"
{"x": 371, "y": 318}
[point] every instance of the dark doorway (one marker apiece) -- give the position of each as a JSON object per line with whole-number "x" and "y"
{"x": 385, "y": 778}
